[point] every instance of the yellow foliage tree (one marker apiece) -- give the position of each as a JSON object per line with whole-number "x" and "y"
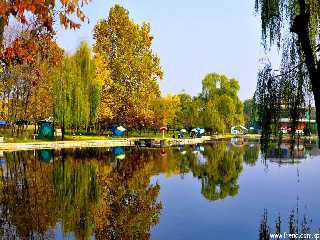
{"x": 123, "y": 49}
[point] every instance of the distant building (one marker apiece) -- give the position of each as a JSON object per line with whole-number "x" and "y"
{"x": 301, "y": 125}
{"x": 306, "y": 121}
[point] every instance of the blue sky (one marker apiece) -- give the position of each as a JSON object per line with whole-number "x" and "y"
{"x": 192, "y": 38}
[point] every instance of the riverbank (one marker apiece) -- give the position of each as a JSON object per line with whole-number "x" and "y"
{"x": 126, "y": 142}
{"x": 100, "y": 141}
{"x": 123, "y": 142}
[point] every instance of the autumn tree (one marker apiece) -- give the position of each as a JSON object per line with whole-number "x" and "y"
{"x": 25, "y": 82}
{"x": 44, "y": 12}
{"x": 123, "y": 50}
{"x": 166, "y": 111}
{"x": 38, "y": 17}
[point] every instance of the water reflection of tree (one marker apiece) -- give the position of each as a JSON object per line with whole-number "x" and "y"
{"x": 220, "y": 173}
{"x": 76, "y": 189}
{"x": 251, "y": 154}
{"x": 90, "y": 192}
{"x": 218, "y": 166}
{"x": 129, "y": 206}
{"x": 84, "y": 190}
{"x": 27, "y": 198}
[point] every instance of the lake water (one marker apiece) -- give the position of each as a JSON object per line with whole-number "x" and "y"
{"x": 221, "y": 190}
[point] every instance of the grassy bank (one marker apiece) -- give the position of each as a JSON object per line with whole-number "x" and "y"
{"x": 28, "y": 136}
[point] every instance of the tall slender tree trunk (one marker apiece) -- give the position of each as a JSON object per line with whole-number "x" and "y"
{"x": 62, "y": 129}
{"x": 301, "y": 28}
{"x": 2, "y": 25}
{"x": 35, "y": 127}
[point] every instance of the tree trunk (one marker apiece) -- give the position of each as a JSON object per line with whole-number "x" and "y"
{"x": 35, "y": 127}
{"x": 62, "y": 129}
{"x": 316, "y": 93}
{"x": 301, "y": 28}
{"x": 2, "y": 25}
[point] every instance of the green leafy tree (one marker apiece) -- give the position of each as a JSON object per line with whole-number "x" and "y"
{"x": 87, "y": 88}
{"x": 222, "y": 107}
{"x": 62, "y": 86}
{"x": 76, "y": 90}
{"x": 250, "y": 113}
{"x": 185, "y": 115}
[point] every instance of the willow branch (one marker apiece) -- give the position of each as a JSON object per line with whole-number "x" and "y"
{"x": 289, "y": 71}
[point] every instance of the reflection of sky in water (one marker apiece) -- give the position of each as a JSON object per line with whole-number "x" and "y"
{"x": 59, "y": 235}
{"x": 201, "y": 158}
{"x": 279, "y": 189}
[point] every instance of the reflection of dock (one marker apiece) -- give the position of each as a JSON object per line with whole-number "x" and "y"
{"x": 178, "y": 142}
{"x": 285, "y": 160}
{"x": 97, "y": 143}
{"x": 64, "y": 144}
{"x": 237, "y": 142}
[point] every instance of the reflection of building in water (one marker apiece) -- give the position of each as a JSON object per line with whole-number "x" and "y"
{"x": 287, "y": 154}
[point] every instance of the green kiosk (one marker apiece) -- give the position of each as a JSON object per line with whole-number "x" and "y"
{"x": 46, "y": 129}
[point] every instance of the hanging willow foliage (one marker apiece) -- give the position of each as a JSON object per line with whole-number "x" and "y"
{"x": 293, "y": 26}
{"x": 277, "y": 17}
{"x": 285, "y": 95}
{"x": 267, "y": 98}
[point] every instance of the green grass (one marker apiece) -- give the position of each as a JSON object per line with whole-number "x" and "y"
{"x": 83, "y": 136}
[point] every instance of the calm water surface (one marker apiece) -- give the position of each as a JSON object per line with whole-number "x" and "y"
{"x": 222, "y": 190}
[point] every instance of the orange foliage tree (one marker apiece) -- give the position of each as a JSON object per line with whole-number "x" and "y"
{"x": 43, "y": 13}
{"x": 25, "y": 78}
